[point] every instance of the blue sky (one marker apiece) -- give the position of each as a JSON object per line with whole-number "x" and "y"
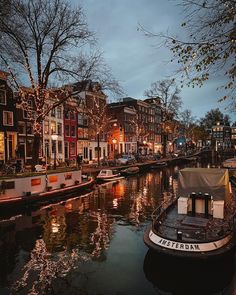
{"x": 135, "y": 60}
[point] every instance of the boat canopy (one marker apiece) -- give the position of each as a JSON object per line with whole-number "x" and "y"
{"x": 213, "y": 181}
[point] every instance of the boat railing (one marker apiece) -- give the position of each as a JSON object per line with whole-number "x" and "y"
{"x": 187, "y": 233}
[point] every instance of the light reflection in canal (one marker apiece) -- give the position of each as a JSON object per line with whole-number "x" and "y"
{"x": 90, "y": 244}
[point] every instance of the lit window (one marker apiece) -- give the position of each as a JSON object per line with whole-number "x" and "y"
{"x": 7, "y": 118}
{"x": 46, "y": 127}
{"x": 53, "y": 127}
{"x": 3, "y": 97}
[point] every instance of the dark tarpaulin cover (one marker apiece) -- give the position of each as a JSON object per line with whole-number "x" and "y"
{"x": 213, "y": 181}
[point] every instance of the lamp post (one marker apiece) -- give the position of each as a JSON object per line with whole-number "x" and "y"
{"x": 54, "y": 139}
{"x": 114, "y": 141}
{"x": 145, "y": 149}
{"x": 46, "y": 163}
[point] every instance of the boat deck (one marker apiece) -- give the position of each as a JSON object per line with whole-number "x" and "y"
{"x": 191, "y": 228}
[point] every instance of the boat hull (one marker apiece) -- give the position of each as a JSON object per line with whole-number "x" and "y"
{"x": 110, "y": 179}
{"x": 173, "y": 248}
{"x": 47, "y": 196}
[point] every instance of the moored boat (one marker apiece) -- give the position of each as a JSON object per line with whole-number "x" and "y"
{"x": 158, "y": 165}
{"x": 229, "y": 163}
{"x": 108, "y": 175}
{"x": 199, "y": 222}
{"x": 26, "y": 190}
{"x": 130, "y": 171}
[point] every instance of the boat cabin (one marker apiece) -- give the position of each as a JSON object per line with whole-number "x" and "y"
{"x": 203, "y": 191}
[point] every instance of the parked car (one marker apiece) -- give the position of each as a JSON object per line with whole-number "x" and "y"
{"x": 126, "y": 159}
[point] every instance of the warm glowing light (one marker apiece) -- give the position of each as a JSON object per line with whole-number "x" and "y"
{"x": 115, "y": 203}
{"x": 54, "y": 136}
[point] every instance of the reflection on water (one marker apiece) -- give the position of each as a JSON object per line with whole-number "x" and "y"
{"x": 74, "y": 245}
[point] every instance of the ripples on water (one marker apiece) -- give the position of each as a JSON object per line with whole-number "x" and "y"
{"x": 90, "y": 244}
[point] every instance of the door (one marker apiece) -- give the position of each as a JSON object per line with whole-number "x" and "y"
{"x": 90, "y": 155}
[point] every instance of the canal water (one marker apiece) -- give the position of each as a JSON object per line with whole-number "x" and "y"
{"x": 93, "y": 244}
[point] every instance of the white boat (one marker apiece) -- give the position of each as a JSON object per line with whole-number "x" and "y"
{"x": 229, "y": 163}
{"x": 199, "y": 223}
{"x": 108, "y": 175}
{"x": 28, "y": 189}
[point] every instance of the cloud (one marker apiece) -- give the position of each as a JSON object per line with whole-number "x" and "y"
{"x": 134, "y": 58}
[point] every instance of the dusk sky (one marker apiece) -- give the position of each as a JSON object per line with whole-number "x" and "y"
{"x": 135, "y": 60}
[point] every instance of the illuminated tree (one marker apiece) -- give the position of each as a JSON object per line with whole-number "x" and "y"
{"x": 210, "y": 44}
{"x": 170, "y": 101}
{"x": 44, "y": 42}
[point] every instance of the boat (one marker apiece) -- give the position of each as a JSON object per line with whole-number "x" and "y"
{"x": 158, "y": 165}
{"x": 29, "y": 189}
{"x": 130, "y": 171}
{"x": 191, "y": 159}
{"x": 198, "y": 222}
{"x": 229, "y": 163}
{"x": 108, "y": 175}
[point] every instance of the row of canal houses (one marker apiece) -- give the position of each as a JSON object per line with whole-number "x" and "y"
{"x": 135, "y": 126}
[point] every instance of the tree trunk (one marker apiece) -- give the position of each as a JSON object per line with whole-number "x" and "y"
{"x": 35, "y": 150}
{"x": 98, "y": 148}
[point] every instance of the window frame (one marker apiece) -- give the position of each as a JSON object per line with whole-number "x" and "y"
{"x": 3, "y": 117}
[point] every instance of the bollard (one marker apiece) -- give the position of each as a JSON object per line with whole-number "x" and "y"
{"x": 206, "y": 197}
{"x": 179, "y": 235}
{"x": 193, "y": 197}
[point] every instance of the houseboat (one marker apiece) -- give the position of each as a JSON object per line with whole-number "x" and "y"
{"x": 198, "y": 223}
{"x": 108, "y": 175}
{"x": 23, "y": 189}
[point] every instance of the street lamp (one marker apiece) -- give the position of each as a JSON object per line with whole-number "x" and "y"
{"x": 145, "y": 149}
{"x": 114, "y": 141}
{"x": 46, "y": 163}
{"x": 54, "y": 140}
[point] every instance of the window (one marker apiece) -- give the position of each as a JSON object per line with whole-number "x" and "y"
{"x": 46, "y": 127}
{"x": 72, "y": 148}
{"x": 67, "y": 114}
{"x": 2, "y": 147}
{"x": 59, "y": 129}
{"x": 59, "y": 113}
{"x": 53, "y": 112}
{"x": 29, "y": 128}
{"x": 7, "y": 118}
{"x": 72, "y": 116}
{"x": 59, "y": 146}
{"x": 21, "y": 127}
{"x": 67, "y": 130}
{"x": 72, "y": 131}
{"x": 80, "y": 119}
{"x": 3, "y": 97}
{"x": 53, "y": 127}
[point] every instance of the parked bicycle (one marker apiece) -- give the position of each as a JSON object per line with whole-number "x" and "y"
{"x": 8, "y": 169}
